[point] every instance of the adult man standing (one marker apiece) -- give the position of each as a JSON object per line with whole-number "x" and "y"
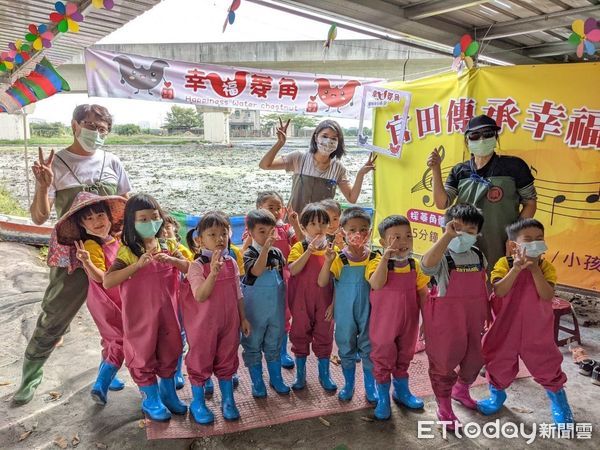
{"x": 82, "y": 166}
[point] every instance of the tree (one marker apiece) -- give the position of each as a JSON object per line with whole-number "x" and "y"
{"x": 269, "y": 121}
{"x": 183, "y": 119}
{"x": 128, "y": 129}
{"x": 45, "y": 129}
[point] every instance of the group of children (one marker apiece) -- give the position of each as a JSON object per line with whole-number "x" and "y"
{"x": 318, "y": 270}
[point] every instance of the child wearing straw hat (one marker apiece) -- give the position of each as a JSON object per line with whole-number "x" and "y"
{"x": 92, "y": 225}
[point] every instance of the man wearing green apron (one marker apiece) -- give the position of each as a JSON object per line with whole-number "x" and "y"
{"x": 81, "y": 166}
{"x": 501, "y": 186}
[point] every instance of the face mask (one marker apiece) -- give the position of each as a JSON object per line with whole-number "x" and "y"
{"x": 534, "y": 249}
{"x": 400, "y": 258}
{"x": 148, "y": 229}
{"x": 326, "y": 145}
{"x": 89, "y": 140}
{"x": 358, "y": 238}
{"x": 209, "y": 253}
{"x": 98, "y": 234}
{"x": 257, "y": 246}
{"x": 482, "y": 147}
{"x": 462, "y": 242}
{"x": 320, "y": 243}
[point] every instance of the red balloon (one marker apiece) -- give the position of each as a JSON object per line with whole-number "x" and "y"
{"x": 465, "y": 41}
{"x": 235, "y": 5}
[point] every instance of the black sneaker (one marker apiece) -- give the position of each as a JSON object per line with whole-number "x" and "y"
{"x": 587, "y": 366}
{"x": 596, "y": 375}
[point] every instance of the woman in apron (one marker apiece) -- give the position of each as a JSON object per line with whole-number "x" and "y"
{"x": 316, "y": 173}
{"x": 59, "y": 178}
{"x": 501, "y": 186}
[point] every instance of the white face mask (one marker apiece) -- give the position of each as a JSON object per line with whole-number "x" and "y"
{"x": 101, "y": 234}
{"x": 482, "y": 147}
{"x": 534, "y": 249}
{"x": 327, "y": 145}
{"x": 320, "y": 243}
{"x": 89, "y": 140}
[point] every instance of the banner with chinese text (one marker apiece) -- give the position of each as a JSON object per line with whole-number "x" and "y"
{"x": 552, "y": 124}
{"x": 121, "y": 75}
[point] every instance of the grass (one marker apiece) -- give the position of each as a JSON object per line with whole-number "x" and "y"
{"x": 8, "y": 205}
{"x": 142, "y": 139}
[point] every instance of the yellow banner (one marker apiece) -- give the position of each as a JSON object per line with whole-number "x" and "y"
{"x": 550, "y": 117}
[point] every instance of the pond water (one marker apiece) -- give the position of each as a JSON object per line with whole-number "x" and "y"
{"x": 193, "y": 178}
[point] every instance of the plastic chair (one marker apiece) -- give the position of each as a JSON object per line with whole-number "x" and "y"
{"x": 561, "y": 308}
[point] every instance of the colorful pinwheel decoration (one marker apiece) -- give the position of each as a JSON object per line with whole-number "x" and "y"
{"x": 6, "y": 62}
{"x": 39, "y": 36}
{"x": 66, "y": 17}
{"x": 331, "y": 35}
{"x": 19, "y": 52}
{"x": 584, "y": 35}
{"x": 463, "y": 53}
{"x": 106, "y": 4}
{"x": 235, "y": 4}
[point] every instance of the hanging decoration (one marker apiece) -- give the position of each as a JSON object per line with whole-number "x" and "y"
{"x": 39, "y": 36}
{"x": 584, "y": 35}
{"x": 331, "y": 35}
{"x": 106, "y": 4}
{"x": 464, "y": 52}
{"x": 19, "y": 52}
{"x": 66, "y": 17}
{"x": 235, "y": 4}
{"x": 6, "y": 62}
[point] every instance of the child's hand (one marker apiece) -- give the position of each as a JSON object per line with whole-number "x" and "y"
{"x": 451, "y": 229}
{"x": 164, "y": 258}
{"x": 329, "y": 254}
{"x": 292, "y": 215}
{"x": 312, "y": 246}
{"x": 422, "y": 332}
{"x": 329, "y": 313}
{"x": 434, "y": 160}
{"x": 390, "y": 250}
{"x": 216, "y": 263}
{"x": 245, "y": 327}
{"x": 144, "y": 260}
{"x": 282, "y": 132}
{"x": 339, "y": 239}
{"x": 270, "y": 240}
{"x": 520, "y": 260}
{"x": 82, "y": 254}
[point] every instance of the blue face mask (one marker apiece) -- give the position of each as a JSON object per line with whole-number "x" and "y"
{"x": 535, "y": 248}
{"x": 462, "y": 242}
{"x": 148, "y": 229}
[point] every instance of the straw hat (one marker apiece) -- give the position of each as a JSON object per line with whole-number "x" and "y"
{"x": 67, "y": 229}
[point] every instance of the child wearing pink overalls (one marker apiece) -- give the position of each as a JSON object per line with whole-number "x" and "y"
{"x": 147, "y": 270}
{"x": 213, "y": 315}
{"x": 397, "y": 283}
{"x": 91, "y": 225}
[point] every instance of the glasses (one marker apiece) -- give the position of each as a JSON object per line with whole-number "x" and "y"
{"x": 485, "y": 134}
{"x": 94, "y": 127}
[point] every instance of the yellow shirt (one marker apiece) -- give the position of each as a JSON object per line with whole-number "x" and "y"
{"x": 337, "y": 265}
{"x": 297, "y": 251}
{"x": 96, "y": 253}
{"x": 187, "y": 254}
{"x": 501, "y": 270}
{"x": 239, "y": 258}
{"x": 128, "y": 257}
{"x": 422, "y": 279}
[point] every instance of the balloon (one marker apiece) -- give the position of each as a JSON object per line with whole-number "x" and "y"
{"x": 472, "y": 48}
{"x": 456, "y": 51}
{"x": 465, "y": 41}
{"x": 578, "y": 27}
{"x": 574, "y": 39}
{"x": 60, "y": 8}
{"x": 590, "y": 49}
{"x": 593, "y": 36}
{"x": 235, "y": 5}
{"x": 231, "y": 17}
{"x": 589, "y": 25}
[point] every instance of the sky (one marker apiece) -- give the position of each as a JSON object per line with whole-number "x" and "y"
{"x": 188, "y": 21}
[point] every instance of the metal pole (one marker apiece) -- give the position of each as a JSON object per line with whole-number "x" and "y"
{"x": 24, "y": 114}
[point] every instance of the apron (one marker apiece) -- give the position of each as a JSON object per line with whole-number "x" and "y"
{"x": 105, "y": 308}
{"x": 282, "y": 243}
{"x": 308, "y": 189}
{"x": 498, "y": 198}
{"x": 394, "y": 324}
{"x": 212, "y": 326}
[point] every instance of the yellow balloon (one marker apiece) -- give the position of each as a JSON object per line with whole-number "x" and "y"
{"x": 73, "y": 26}
{"x": 578, "y": 27}
{"x": 37, "y": 44}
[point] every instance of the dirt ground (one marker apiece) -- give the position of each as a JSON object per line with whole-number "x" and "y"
{"x": 62, "y": 414}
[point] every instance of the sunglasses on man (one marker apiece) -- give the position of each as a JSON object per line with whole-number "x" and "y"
{"x": 483, "y": 134}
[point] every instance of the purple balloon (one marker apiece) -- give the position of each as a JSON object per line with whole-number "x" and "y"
{"x": 589, "y": 25}
{"x": 77, "y": 17}
{"x": 108, "y": 4}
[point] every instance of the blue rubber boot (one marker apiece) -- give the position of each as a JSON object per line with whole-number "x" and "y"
{"x": 324, "y": 376}
{"x": 561, "y": 411}
{"x": 275, "y": 378}
{"x": 383, "y": 410}
{"x": 200, "y": 413}
{"x": 179, "y": 379}
{"x": 100, "y": 388}
{"x": 300, "y": 382}
{"x": 286, "y": 360}
{"x": 347, "y": 391}
{"x": 235, "y": 380}
{"x": 259, "y": 390}
{"x": 152, "y": 405}
{"x": 370, "y": 389}
{"x": 168, "y": 395}
{"x": 228, "y": 408}
{"x": 493, "y": 403}
{"x": 403, "y": 395}
{"x": 116, "y": 384}
{"x": 209, "y": 388}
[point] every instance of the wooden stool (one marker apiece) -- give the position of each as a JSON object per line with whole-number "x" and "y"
{"x": 562, "y": 307}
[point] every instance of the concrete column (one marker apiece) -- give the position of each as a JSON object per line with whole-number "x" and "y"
{"x": 216, "y": 127}
{"x": 11, "y": 126}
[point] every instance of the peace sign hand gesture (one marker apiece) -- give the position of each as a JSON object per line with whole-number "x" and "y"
{"x": 216, "y": 262}
{"x": 82, "y": 254}
{"x": 42, "y": 169}
{"x": 520, "y": 260}
{"x": 282, "y": 132}
{"x": 369, "y": 165}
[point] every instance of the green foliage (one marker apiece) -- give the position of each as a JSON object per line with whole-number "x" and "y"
{"x": 49, "y": 129}
{"x": 8, "y": 205}
{"x": 183, "y": 119}
{"x": 128, "y": 129}
{"x": 269, "y": 121}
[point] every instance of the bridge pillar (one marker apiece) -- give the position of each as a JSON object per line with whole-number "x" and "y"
{"x": 216, "y": 124}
